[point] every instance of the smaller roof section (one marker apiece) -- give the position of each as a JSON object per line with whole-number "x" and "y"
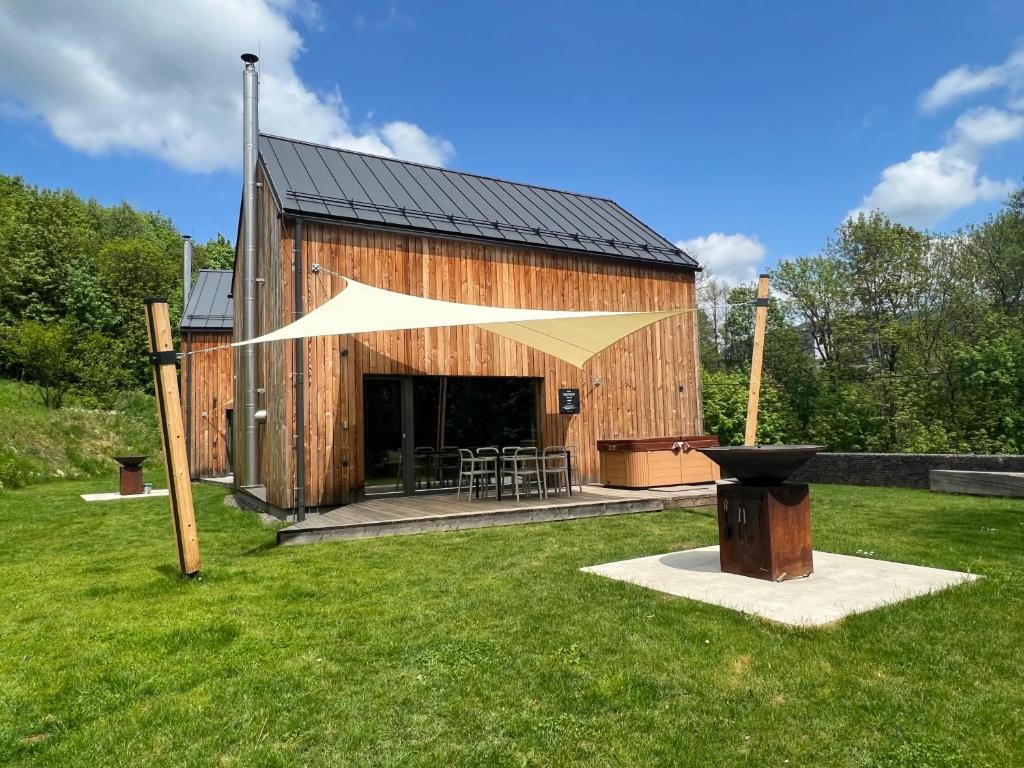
{"x": 209, "y": 304}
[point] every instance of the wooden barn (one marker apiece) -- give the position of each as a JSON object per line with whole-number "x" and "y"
{"x": 364, "y": 405}
{"x": 206, "y": 374}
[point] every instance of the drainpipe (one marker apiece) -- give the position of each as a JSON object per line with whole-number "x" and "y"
{"x": 250, "y": 104}
{"x": 186, "y": 269}
{"x": 188, "y": 364}
{"x": 297, "y": 347}
{"x": 186, "y": 290}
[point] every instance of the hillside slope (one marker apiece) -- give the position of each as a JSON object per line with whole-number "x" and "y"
{"x": 38, "y": 444}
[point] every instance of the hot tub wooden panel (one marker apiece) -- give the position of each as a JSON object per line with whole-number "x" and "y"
{"x": 657, "y": 461}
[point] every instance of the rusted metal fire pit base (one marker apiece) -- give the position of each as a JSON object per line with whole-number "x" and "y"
{"x": 130, "y": 481}
{"x": 765, "y": 531}
{"x": 130, "y": 476}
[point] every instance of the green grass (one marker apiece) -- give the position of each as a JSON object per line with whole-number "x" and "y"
{"x": 38, "y": 444}
{"x": 489, "y": 647}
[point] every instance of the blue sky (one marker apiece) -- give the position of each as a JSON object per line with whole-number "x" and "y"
{"x": 747, "y": 130}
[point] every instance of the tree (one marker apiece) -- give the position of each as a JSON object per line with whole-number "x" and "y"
{"x": 996, "y": 249}
{"x": 131, "y": 271}
{"x": 819, "y": 295}
{"x": 712, "y": 302}
{"x": 45, "y": 355}
{"x": 216, "y": 253}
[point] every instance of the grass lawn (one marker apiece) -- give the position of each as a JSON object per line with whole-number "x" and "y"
{"x": 489, "y": 647}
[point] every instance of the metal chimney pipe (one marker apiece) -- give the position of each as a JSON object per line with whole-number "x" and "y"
{"x": 186, "y": 269}
{"x": 250, "y": 131}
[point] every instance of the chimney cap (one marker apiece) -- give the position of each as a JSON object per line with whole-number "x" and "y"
{"x": 186, "y": 237}
{"x": 250, "y": 58}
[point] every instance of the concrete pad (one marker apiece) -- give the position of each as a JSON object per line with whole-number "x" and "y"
{"x": 840, "y": 585}
{"x": 115, "y": 496}
{"x": 1009, "y": 484}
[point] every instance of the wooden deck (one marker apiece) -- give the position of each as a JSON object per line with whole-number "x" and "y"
{"x": 403, "y": 515}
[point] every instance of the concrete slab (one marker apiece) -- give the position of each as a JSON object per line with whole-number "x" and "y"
{"x": 1010, "y": 484}
{"x": 840, "y": 585}
{"x": 116, "y": 496}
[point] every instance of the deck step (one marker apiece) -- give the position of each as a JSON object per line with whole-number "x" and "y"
{"x": 401, "y": 517}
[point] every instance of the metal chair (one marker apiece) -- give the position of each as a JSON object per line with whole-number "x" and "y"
{"x": 523, "y": 464}
{"x": 574, "y": 466}
{"x": 471, "y": 468}
{"x": 555, "y": 463}
{"x": 490, "y": 455}
{"x": 448, "y": 464}
{"x": 424, "y": 464}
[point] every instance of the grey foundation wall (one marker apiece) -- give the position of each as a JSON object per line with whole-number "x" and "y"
{"x": 904, "y": 470}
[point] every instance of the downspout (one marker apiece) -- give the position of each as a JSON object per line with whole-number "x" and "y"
{"x": 189, "y": 362}
{"x": 186, "y": 291}
{"x": 298, "y": 279}
{"x": 250, "y": 104}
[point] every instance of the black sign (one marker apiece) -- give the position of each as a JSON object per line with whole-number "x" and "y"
{"x": 568, "y": 401}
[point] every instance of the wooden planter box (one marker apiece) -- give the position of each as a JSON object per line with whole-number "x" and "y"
{"x": 648, "y": 462}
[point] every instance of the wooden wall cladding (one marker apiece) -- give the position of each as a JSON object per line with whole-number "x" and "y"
{"x": 644, "y": 385}
{"x": 207, "y": 395}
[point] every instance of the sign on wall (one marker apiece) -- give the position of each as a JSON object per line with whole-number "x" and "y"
{"x": 568, "y": 401}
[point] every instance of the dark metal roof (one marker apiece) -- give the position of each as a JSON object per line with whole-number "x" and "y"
{"x": 209, "y": 304}
{"x": 316, "y": 180}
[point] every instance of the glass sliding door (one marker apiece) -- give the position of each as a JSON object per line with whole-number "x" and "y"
{"x": 384, "y": 415}
{"x": 414, "y": 426}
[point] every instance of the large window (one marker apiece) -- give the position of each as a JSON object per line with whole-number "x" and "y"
{"x": 427, "y": 417}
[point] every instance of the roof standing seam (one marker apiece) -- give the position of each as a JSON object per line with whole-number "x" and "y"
{"x": 209, "y": 304}
{"x": 318, "y": 180}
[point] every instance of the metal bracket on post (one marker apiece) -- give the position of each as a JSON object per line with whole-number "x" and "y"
{"x": 163, "y": 358}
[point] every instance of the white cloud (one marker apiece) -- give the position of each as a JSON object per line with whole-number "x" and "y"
{"x": 931, "y": 185}
{"x": 966, "y": 81}
{"x": 983, "y": 126}
{"x": 732, "y": 258}
{"x": 138, "y": 76}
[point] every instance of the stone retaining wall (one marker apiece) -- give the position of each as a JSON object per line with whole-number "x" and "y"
{"x": 905, "y": 470}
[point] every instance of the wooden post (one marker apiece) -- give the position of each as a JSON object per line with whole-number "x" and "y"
{"x": 760, "y": 319}
{"x": 172, "y": 431}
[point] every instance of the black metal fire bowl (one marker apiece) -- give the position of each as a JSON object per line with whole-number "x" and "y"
{"x": 130, "y": 461}
{"x": 761, "y": 464}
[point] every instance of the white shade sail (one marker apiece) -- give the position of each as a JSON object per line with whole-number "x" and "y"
{"x": 574, "y": 337}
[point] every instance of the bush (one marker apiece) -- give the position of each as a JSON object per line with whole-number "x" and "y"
{"x": 725, "y": 409}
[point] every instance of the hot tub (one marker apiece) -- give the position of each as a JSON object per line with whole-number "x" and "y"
{"x": 648, "y": 462}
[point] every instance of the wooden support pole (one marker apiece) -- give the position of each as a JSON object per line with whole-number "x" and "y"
{"x": 172, "y": 431}
{"x": 754, "y": 396}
